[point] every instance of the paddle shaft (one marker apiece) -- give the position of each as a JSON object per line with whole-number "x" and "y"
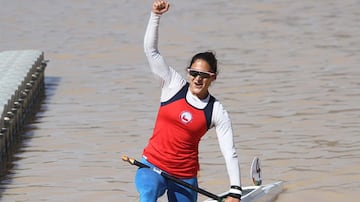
{"x": 170, "y": 177}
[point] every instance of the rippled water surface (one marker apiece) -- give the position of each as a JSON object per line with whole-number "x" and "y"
{"x": 290, "y": 79}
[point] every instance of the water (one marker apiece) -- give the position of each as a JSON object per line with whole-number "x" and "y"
{"x": 289, "y": 78}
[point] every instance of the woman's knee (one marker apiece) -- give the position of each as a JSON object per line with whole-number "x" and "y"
{"x": 149, "y": 184}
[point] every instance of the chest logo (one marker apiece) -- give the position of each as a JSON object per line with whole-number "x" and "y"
{"x": 185, "y": 117}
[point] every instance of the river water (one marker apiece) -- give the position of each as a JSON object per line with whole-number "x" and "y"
{"x": 289, "y": 77}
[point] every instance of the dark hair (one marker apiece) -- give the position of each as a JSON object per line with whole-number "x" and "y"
{"x": 207, "y": 56}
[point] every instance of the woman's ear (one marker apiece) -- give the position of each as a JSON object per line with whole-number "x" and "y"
{"x": 214, "y": 78}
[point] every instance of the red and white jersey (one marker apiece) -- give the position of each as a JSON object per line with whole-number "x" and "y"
{"x": 179, "y": 127}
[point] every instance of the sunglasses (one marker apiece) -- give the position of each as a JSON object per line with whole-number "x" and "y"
{"x": 195, "y": 73}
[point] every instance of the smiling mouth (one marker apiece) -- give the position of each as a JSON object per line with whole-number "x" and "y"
{"x": 198, "y": 84}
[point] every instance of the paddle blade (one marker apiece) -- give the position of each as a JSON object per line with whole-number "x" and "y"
{"x": 255, "y": 172}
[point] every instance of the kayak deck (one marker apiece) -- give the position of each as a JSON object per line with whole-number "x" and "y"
{"x": 263, "y": 193}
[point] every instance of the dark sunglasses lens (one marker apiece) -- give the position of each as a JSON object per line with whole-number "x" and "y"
{"x": 201, "y": 74}
{"x": 193, "y": 73}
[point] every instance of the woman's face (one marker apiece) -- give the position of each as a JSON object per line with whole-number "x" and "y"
{"x": 200, "y": 78}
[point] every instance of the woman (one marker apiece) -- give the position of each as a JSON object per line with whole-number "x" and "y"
{"x": 187, "y": 111}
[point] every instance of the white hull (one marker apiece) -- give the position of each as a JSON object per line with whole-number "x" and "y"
{"x": 263, "y": 193}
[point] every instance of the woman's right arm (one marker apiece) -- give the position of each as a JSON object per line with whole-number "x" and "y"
{"x": 171, "y": 80}
{"x": 157, "y": 63}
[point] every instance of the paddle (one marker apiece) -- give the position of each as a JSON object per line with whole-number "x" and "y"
{"x": 170, "y": 177}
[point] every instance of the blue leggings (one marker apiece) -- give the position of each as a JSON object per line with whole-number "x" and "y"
{"x": 152, "y": 185}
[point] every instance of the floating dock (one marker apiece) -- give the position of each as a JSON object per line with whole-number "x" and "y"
{"x": 21, "y": 88}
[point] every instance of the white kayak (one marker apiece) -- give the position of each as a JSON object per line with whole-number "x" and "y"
{"x": 258, "y": 192}
{"x": 262, "y": 193}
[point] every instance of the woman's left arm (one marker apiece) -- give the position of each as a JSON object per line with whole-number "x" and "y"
{"x": 224, "y": 133}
